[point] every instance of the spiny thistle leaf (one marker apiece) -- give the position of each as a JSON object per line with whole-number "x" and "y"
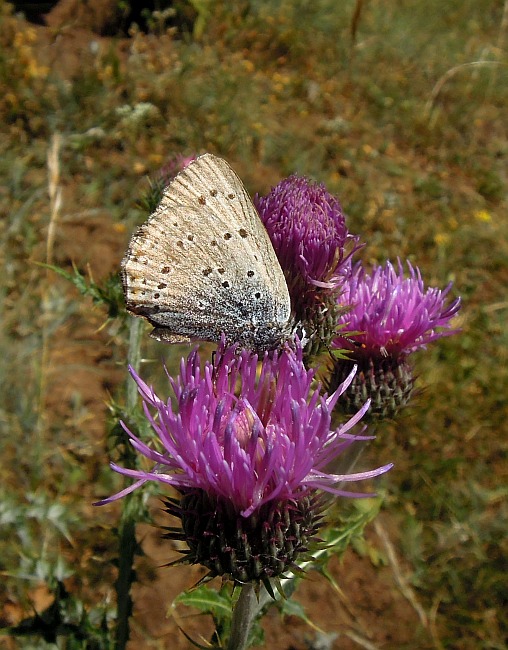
{"x": 206, "y": 600}
{"x": 110, "y": 294}
{"x": 153, "y": 195}
{"x": 340, "y": 535}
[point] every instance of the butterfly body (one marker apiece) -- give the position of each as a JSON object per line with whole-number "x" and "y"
{"x": 203, "y": 264}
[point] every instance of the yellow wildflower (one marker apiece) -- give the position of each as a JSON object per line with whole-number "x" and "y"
{"x": 441, "y": 238}
{"x": 482, "y": 215}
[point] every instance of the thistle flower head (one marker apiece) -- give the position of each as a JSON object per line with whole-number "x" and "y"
{"x": 161, "y": 179}
{"x": 173, "y": 166}
{"x": 308, "y": 231}
{"x": 246, "y": 445}
{"x": 390, "y": 316}
{"x": 394, "y": 315}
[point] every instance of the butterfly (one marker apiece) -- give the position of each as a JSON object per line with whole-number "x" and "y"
{"x": 203, "y": 264}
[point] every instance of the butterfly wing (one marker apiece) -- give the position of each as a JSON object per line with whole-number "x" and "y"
{"x": 203, "y": 263}
{"x": 210, "y": 181}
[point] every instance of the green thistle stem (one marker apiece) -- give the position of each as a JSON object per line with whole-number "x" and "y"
{"x": 130, "y": 507}
{"x": 243, "y": 617}
{"x": 133, "y": 359}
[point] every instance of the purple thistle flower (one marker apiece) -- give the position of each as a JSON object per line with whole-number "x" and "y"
{"x": 308, "y": 231}
{"x": 393, "y": 314}
{"x": 389, "y": 316}
{"x": 249, "y": 468}
{"x": 173, "y": 166}
{"x": 272, "y": 442}
{"x": 161, "y": 179}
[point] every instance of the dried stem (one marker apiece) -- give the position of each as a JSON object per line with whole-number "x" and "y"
{"x": 55, "y": 193}
{"x": 451, "y": 73}
{"x": 402, "y": 583}
{"x": 55, "y": 204}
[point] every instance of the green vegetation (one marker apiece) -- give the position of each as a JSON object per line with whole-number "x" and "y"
{"x": 401, "y": 112}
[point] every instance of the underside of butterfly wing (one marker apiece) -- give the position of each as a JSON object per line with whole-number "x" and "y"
{"x": 205, "y": 266}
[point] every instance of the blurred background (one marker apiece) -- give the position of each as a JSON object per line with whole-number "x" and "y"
{"x": 401, "y": 110}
